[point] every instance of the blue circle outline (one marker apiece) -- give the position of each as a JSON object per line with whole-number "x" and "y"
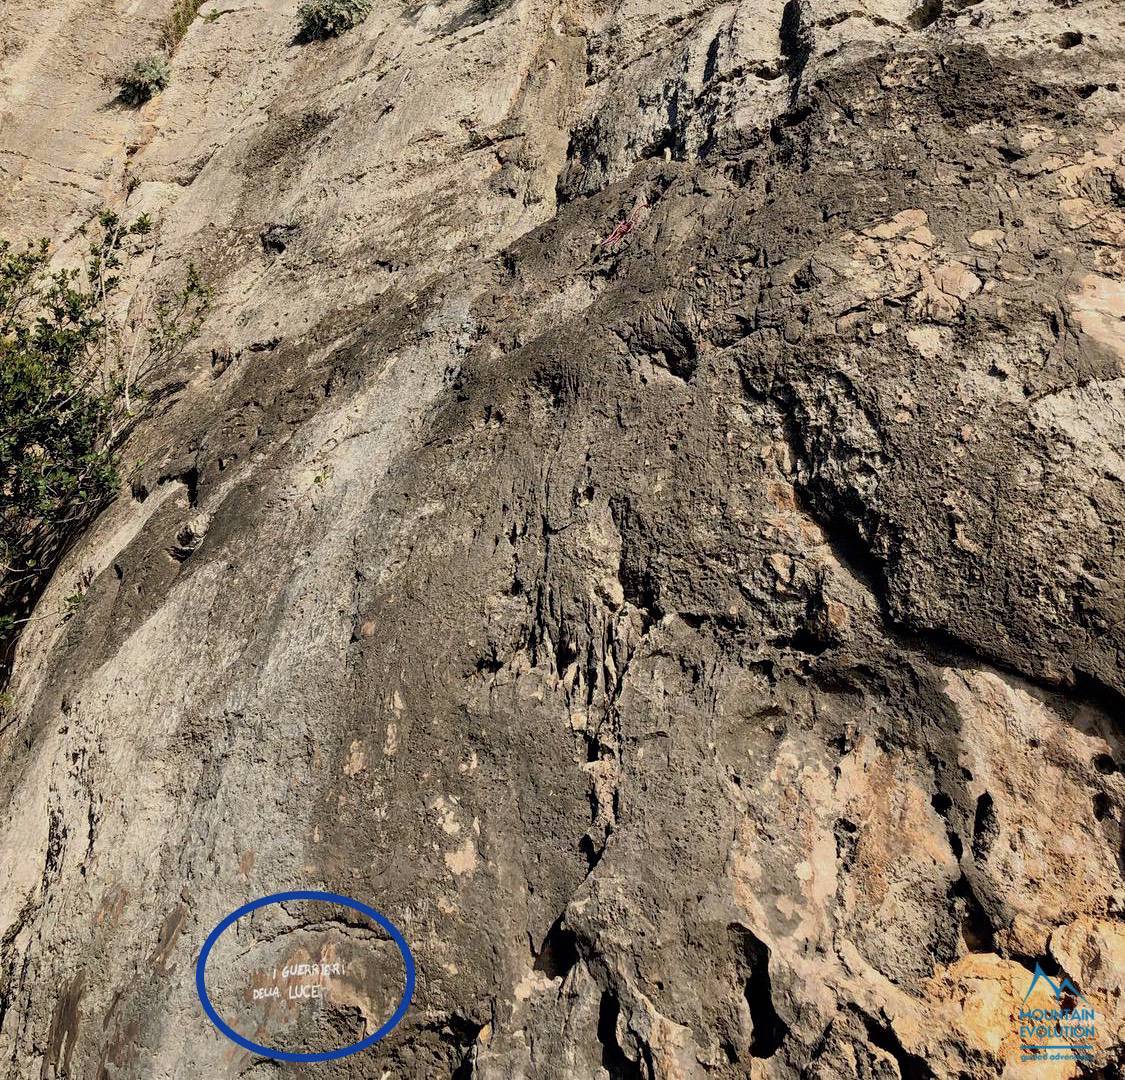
{"x": 284, "y": 1055}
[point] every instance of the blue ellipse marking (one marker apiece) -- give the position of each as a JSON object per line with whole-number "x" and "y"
{"x": 284, "y": 1055}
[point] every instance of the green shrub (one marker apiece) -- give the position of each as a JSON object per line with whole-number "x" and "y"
{"x": 327, "y": 18}
{"x": 145, "y": 79}
{"x": 72, "y": 370}
{"x": 179, "y": 22}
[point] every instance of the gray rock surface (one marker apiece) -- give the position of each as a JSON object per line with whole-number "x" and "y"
{"x": 706, "y": 645}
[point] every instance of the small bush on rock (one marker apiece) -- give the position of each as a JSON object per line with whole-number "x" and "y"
{"x": 327, "y": 18}
{"x": 78, "y": 352}
{"x": 145, "y": 79}
{"x": 179, "y": 22}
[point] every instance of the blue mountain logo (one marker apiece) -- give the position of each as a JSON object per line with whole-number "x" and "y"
{"x": 1065, "y": 986}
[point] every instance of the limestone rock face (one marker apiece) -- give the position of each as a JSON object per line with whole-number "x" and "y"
{"x": 646, "y": 513}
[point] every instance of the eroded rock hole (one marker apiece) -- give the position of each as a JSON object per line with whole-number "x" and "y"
{"x": 910, "y": 1066}
{"x": 462, "y": 1033}
{"x": 769, "y": 1030}
{"x": 614, "y": 1060}
{"x": 1103, "y": 808}
{"x": 1105, "y": 764}
{"x": 558, "y": 953}
{"x": 790, "y": 30}
{"x": 986, "y": 826}
{"x": 943, "y": 804}
{"x": 464, "y": 1071}
{"x": 591, "y": 852}
{"x": 976, "y": 927}
{"x": 927, "y": 14}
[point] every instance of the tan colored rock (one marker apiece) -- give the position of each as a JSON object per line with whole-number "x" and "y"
{"x": 1099, "y": 308}
{"x": 986, "y": 238}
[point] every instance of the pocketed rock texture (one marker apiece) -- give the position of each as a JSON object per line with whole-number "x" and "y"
{"x": 706, "y": 645}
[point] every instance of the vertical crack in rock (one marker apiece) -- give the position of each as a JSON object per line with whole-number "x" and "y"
{"x": 769, "y": 1030}
{"x": 617, "y": 1064}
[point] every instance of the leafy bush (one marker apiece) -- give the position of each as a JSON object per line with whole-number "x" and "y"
{"x": 72, "y": 370}
{"x": 327, "y": 18}
{"x": 145, "y": 79}
{"x": 179, "y": 22}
